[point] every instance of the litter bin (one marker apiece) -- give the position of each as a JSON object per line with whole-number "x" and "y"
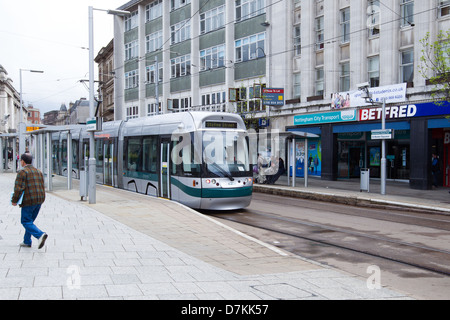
{"x": 365, "y": 178}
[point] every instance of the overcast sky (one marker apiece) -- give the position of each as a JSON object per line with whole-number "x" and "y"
{"x": 48, "y": 35}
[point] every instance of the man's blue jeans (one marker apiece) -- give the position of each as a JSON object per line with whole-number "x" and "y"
{"x": 29, "y": 214}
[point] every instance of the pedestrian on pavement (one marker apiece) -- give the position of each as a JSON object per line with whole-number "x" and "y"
{"x": 30, "y": 183}
{"x": 435, "y": 169}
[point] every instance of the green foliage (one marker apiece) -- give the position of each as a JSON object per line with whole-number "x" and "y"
{"x": 435, "y": 60}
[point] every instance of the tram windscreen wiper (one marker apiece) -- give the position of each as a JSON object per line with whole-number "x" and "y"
{"x": 221, "y": 170}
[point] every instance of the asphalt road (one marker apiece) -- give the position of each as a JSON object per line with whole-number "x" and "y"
{"x": 356, "y": 240}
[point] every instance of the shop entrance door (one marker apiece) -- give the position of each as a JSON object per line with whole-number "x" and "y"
{"x": 355, "y": 161}
{"x": 446, "y": 165}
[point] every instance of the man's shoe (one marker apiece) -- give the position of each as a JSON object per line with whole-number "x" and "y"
{"x": 24, "y": 245}
{"x": 42, "y": 240}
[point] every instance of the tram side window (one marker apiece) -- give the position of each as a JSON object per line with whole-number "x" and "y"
{"x": 74, "y": 154}
{"x": 150, "y": 146}
{"x": 134, "y": 154}
{"x": 188, "y": 166}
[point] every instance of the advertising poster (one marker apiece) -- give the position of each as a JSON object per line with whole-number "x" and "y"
{"x": 375, "y": 157}
{"x": 314, "y": 161}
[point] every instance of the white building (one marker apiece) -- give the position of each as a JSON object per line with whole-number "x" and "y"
{"x": 218, "y": 55}
{"x": 9, "y": 104}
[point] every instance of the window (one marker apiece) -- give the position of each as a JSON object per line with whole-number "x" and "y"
{"x": 246, "y": 9}
{"x": 373, "y": 18}
{"x": 151, "y": 109}
{"x": 132, "y": 112}
{"x": 444, "y": 8}
{"x": 150, "y": 154}
{"x": 345, "y": 25}
{"x": 131, "y": 21}
{"x": 344, "y": 81}
{"x": 297, "y": 40}
{"x": 407, "y": 12}
{"x": 181, "y": 31}
{"x": 134, "y": 153}
{"x": 154, "y": 41}
{"x": 176, "y": 4}
{"x": 319, "y": 33}
{"x": 373, "y": 67}
{"x": 131, "y": 50}
{"x": 153, "y": 10}
{"x": 250, "y": 48}
{"x": 180, "y": 66}
{"x": 131, "y": 79}
{"x": 151, "y": 73}
{"x": 407, "y": 66}
{"x": 212, "y": 58}
{"x": 297, "y": 85}
{"x": 319, "y": 82}
{"x": 212, "y": 19}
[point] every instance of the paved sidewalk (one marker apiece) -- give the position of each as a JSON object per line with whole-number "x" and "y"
{"x": 130, "y": 246}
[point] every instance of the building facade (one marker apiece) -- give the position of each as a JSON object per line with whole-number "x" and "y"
{"x": 310, "y": 55}
{"x": 105, "y": 61}
{"x": 33, "y": 115}
{"x": 9, "y": 104}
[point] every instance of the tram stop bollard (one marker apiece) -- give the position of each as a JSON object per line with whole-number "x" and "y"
{"x": 84, "y": 183}
{"x": 365, "y": 180}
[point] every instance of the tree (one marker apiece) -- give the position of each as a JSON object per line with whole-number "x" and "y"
{"x": 435, "y": 60}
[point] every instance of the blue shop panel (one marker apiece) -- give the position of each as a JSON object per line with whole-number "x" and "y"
{"x": 403, "y": 125}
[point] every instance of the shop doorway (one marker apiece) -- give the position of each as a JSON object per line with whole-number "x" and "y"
{"x": 355, "y": 161}
{"x": 446, "y": 165}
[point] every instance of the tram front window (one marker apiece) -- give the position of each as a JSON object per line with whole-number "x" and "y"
{"x": 225, "y": 154}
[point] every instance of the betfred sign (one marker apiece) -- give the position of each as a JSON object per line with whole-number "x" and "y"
{"x": 406, "y": 111}
{"x": 394, "y": 112}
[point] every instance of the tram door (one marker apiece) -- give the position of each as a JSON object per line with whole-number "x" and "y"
{"x": 108, "y": 163}
{"x": 164, "y": 179}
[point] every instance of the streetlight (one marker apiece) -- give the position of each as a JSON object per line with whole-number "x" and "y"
{"x": 92, "y": 164}
{"x": 368, "y": 97}
{"x": 21, "y": 123}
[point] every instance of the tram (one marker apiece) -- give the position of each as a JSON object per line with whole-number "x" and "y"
{"x": 200, "y": 159}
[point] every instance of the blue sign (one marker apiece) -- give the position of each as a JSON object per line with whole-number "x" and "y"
{"x": 326, "y": 117}
{"x": 273, "y": 97}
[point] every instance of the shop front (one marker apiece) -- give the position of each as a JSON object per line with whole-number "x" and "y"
{"x": 346, "y": 144}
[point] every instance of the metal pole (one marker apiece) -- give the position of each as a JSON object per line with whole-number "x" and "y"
{"x": 92, "y": 169}
{"x": 1, "y": 155}
{"x": 383, "y": 151}
{"x": 306, "y": 162}
{"x": 69, "y": 161}
{"x": 157, "y": 83}
{"x": 294, "y": 164}
{"x": 21, "y": 137}
{"x": 49, "y": 161}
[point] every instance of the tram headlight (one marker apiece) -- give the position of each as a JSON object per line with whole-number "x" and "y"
{"x": 213, "y": 181}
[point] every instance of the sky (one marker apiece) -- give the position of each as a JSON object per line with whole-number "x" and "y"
{"x": 52, "y": 36}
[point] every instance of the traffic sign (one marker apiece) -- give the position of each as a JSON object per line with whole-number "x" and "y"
{"x": 382, "y": 134}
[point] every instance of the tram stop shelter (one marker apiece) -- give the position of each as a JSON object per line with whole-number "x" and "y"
{"x": 8, "y": 141}
{"x": 41, "y": 148}
{"x": 285, "y": 143}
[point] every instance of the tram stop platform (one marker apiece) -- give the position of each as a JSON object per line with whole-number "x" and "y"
{"x": 131, "y": 246}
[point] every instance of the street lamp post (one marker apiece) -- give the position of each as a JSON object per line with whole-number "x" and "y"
{"x": 364, "y": 87}
{"x": 92, "y": 164}
{"x": 22, "y": 125}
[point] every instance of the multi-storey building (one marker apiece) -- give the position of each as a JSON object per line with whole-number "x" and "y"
{"x": 9, "y": 104}
{"x": 33, "y": 115}
{"x": 105, "y": 61}
{"x": 220, "y": 55}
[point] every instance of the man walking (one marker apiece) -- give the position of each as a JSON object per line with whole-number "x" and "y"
{"x": 30, "y": 183}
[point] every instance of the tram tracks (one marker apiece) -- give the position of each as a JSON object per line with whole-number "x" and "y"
{"x": 420, "y": 256}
